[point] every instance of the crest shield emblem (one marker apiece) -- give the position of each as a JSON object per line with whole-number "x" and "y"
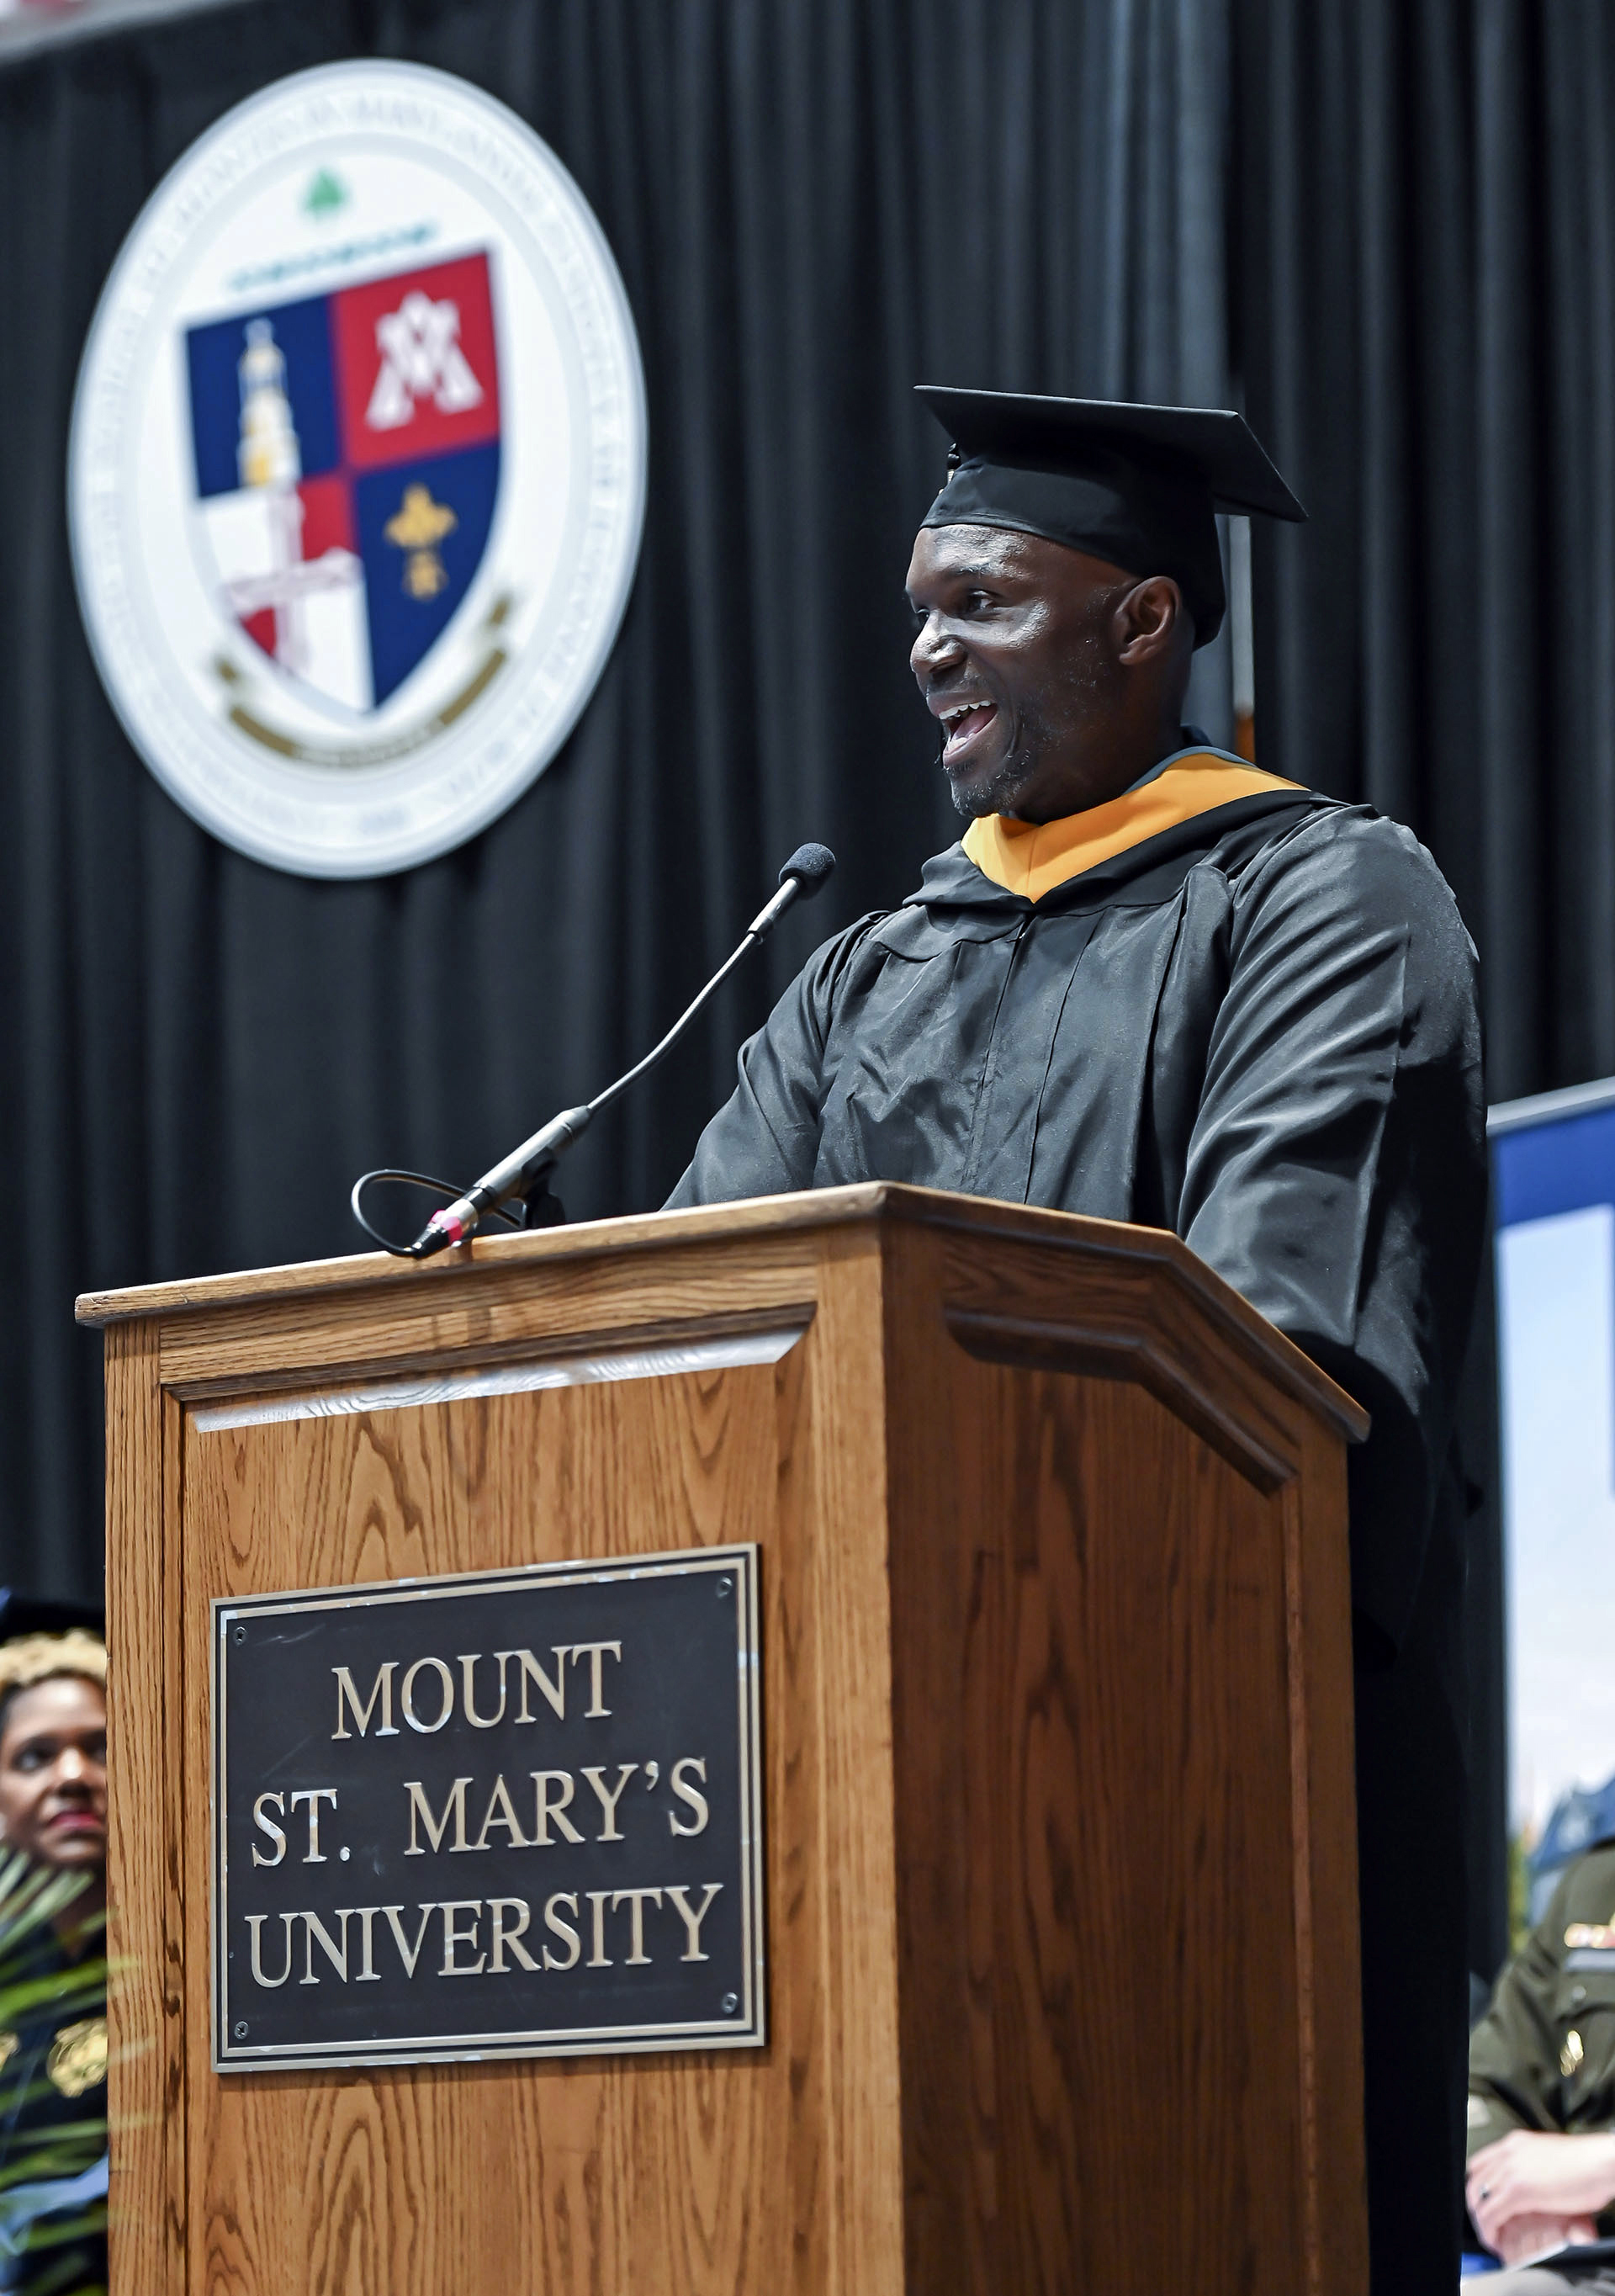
{"x": 347, "y": 455}
{"x": 357, "y": 469}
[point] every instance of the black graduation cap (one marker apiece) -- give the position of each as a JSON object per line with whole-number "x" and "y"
{"x": 1138, "y": 486}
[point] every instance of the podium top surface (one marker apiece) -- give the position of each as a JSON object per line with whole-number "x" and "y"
{"x": 871, "y": 1204}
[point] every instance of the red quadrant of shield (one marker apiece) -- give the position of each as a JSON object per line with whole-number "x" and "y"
{"x": 417, "y": 369}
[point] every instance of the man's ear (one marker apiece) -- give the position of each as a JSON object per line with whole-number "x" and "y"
{"x": 1150, "y": 621}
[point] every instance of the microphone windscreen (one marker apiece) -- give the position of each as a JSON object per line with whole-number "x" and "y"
{"x": 811, "y": 866}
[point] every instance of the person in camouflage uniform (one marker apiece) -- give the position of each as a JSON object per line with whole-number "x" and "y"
{"x": 1541, "y": 2094}
{"x": 52, "y": 1984}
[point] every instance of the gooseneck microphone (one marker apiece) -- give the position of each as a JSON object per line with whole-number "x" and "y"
{"x": 525, "y": 1172}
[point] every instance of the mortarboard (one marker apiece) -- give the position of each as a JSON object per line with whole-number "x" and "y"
{"x": 1136, "y": 486}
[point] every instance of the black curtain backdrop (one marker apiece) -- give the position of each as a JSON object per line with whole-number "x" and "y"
{"x": 1388, "y": 223}
{"x": 201, "y": 1052}
{"x": 1423, "y": 227}
{"x": 1426, "y": 238}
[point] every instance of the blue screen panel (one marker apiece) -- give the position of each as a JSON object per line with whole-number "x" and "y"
{"x": 1553, "y": 1172}
{"x": 1557, "y": 1166}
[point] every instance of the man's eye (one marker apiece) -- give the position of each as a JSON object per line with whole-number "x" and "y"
{"x": 32, "y": 1758}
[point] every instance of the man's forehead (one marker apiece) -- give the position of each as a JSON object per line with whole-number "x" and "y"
{"x": 960, "y": 551}
{"x": 972, "y": 553}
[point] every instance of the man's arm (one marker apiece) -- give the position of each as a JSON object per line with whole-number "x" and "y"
{"x": 764, "y": 1140}
{"x": 1336, "y": 1173}
{"x": 1530, "y": 2183}
{"x": 1513, "y": 2050}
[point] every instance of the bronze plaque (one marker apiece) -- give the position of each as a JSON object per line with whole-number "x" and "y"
{"x": 508, "y": 1813}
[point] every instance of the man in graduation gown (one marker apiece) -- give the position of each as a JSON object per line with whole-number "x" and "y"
{"x": 1151, "y": 983}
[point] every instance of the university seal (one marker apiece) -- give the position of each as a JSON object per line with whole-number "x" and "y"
{"x": 356, "y": 473}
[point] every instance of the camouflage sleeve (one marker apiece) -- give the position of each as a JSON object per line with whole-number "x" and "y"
{"x": 1513, "y": 2052}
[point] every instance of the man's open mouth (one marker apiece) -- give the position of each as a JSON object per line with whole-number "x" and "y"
{"x": 962, "y": 726}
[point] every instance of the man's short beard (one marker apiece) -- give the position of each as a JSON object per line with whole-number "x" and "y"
{"x": 998, "y": 794}
{"x": 1084, "y": 679}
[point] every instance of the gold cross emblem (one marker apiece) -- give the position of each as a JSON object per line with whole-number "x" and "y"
{"x": 416, "y": 528}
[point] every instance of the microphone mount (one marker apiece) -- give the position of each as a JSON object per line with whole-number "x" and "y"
{"x": 525, "y": 1173}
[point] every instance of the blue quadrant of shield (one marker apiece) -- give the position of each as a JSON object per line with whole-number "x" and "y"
{"x": 423, "y": 529}
{"x": 302, "y": 334}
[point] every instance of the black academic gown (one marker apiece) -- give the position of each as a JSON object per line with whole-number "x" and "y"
{"x": 1259, "y": 1028}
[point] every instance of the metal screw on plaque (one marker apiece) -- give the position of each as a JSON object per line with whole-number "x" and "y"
{"x": 240, "y": 2030}
{"x": 726, "y": 1587}
{"x": 730, "y": 2004}
{"x": 241, "y": 1634}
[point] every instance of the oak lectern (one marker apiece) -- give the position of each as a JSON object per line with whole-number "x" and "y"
{"x": 1059, "y": 1889}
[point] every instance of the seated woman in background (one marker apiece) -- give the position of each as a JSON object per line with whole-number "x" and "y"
{"x": 1542, "y": 2096}
{"x": 53, "y": 2043}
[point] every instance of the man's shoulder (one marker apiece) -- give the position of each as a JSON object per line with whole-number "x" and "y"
{"x": 1288, "y": 843}
{"x": 1358, "y": 834}
{"x": 846, "y": 956}
{"x": 1350, "y": 857}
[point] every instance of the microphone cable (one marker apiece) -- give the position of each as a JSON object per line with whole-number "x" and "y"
{"x": 519, "y": 1174}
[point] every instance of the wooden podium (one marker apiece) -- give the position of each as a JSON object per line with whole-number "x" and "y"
{"x": 1057, "y": 1727}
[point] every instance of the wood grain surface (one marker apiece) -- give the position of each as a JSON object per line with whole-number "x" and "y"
{"x": 146, "y": 1999}
{"x": 1093, "y": 1243}
{"x": 1114, "y": 1784}
{"x": 1057, "y": 1741}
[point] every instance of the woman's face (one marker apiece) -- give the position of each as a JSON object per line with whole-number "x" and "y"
{"x": 54, "y": 1773}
